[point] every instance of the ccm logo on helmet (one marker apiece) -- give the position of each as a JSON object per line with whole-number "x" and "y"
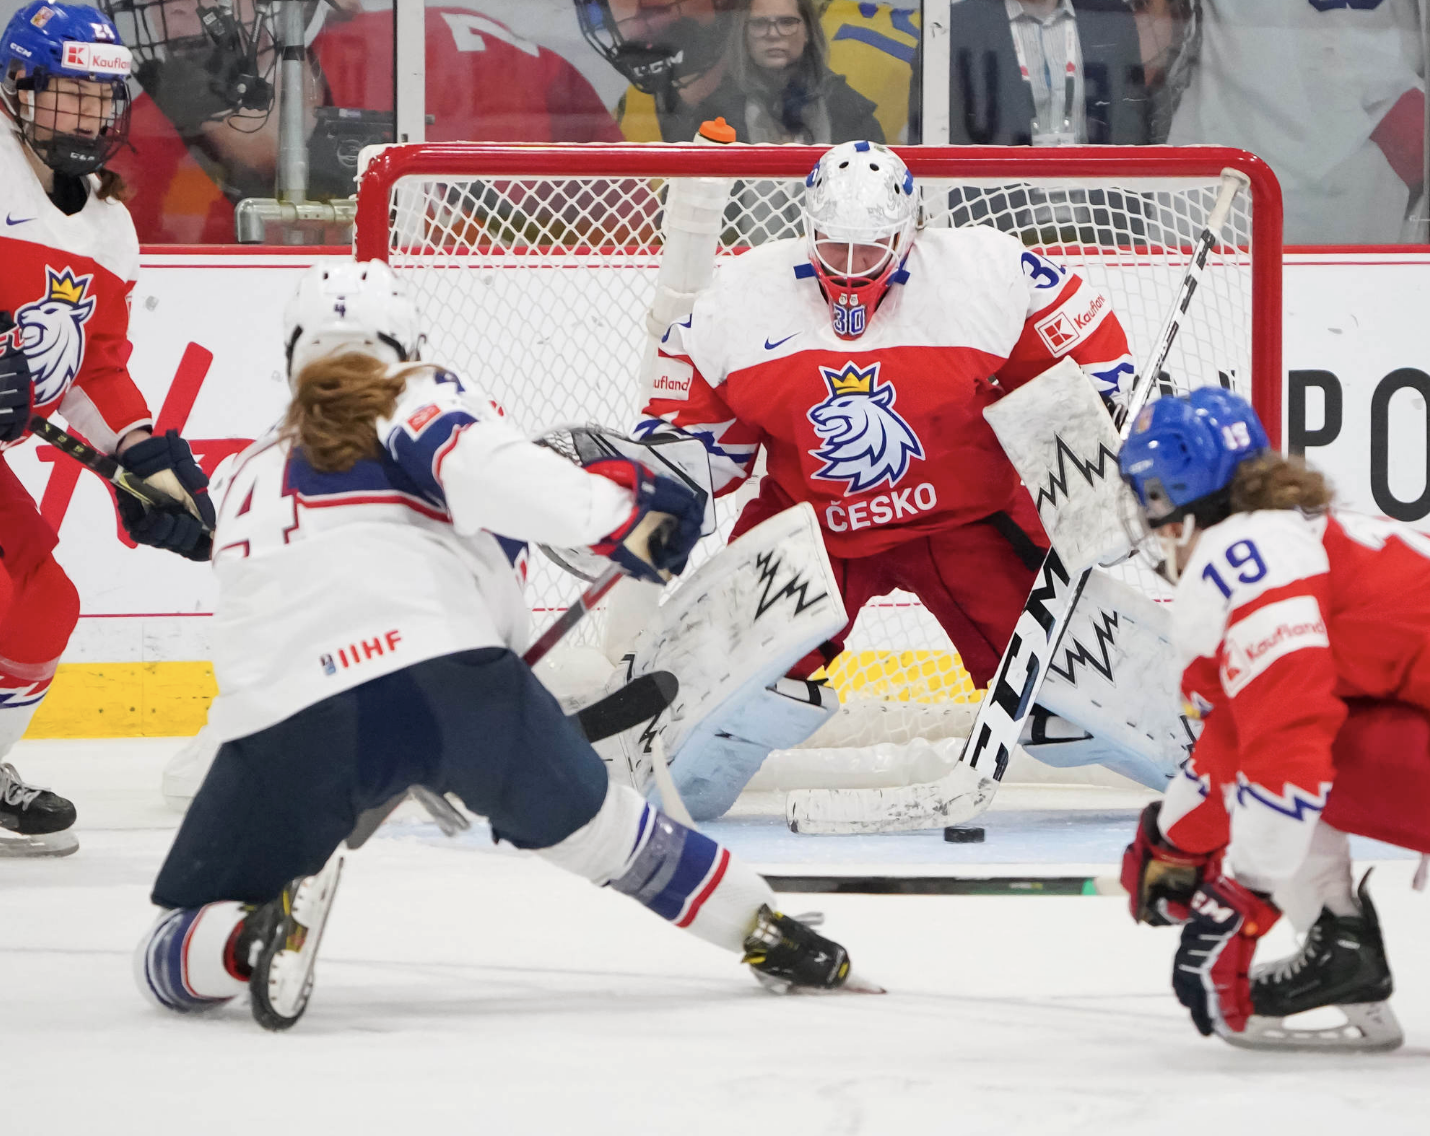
{"x": 1073, "y": 321}
{"x": 880, "y": 510}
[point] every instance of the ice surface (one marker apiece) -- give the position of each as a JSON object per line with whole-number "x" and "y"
{"x": 468, "y": 987}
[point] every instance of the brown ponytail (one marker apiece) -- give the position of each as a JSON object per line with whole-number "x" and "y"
{"x": 1276, "y": 482}
{"x": 112, "y": 187}
{"x": 337, "y": 401}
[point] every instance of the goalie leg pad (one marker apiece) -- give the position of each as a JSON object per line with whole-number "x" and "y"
{"x": 682, "y": 875}
{"x": 182, "y": 963}
{"x": 716, "y": 763}
{"x": 1115, "y": 679}
{"x": 731, "y": 629}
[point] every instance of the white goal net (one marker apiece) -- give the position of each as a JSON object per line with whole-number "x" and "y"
{"x": 536, "y": 266}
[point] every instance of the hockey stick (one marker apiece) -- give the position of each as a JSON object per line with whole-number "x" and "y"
{"x": 967, "y": 790}
{"x": 105, "y": 466}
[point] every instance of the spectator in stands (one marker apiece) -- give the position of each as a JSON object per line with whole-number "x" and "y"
{"x": 778, "y": 86}
{"x": 196, "y": 151}
{"x": 1046, "y": 73}
{"x": 663, "y": 47}
{"x": 1331, "y": 96}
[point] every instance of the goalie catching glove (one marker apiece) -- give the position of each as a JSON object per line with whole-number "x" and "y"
{"x": 166, "y": 462}
{"x": 655, "y": 541}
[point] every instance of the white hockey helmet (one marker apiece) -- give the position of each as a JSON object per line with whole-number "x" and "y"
{"x": 860, "y": 216}
{"x": 345, "y": 305}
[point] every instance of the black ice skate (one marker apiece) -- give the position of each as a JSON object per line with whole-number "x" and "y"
{"x": 1342, "y": 963}
{"x": 788, "y": 957}
{"x": 33, "y": 822}
{"x": 280, "y": 940}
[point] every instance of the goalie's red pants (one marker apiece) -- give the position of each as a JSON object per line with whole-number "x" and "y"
{"x": 973, "y": 578}
{"x": 39, "y": 607}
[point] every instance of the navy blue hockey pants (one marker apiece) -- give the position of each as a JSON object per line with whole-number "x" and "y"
{"x": 277, "y": 803}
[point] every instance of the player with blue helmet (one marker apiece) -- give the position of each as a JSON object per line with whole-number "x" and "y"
{"x": 66, "y": 85}
{"x": 1304, "y": 639}
{"x": 71, "y": 258}
{"x": 1180, "y": 460}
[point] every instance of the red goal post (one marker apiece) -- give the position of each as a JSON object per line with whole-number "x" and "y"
{"x": 536, "y": 266}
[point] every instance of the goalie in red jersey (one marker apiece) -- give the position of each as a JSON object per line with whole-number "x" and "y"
{"x": 70, "y": 263}
{"x": 1302, "y": 631}
{"x": 860, "y": 359}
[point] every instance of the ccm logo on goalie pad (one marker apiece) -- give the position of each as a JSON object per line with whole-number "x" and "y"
{"x": 1268, "y": 634}
{"x": 1073, "y": 322}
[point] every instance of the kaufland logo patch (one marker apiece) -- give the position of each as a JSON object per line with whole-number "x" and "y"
{"x": 1069, "y": 324}
{"x": 1268, "y": 634}
{"x": 95, "y": 59}
{"x": 673, "y": 380}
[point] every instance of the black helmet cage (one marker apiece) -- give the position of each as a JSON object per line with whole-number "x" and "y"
{"x": 223, "y": 70}
{"x": 656, "y": 68}
{"x": 66, "y": 153}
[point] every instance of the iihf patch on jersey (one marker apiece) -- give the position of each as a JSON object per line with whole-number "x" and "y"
{"x": 51, "y": 331}
{"x": 865, "y": 440}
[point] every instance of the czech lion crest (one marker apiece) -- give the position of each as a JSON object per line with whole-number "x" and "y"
{"x": 51, "y": 332}
{"x": 865, "y": 440}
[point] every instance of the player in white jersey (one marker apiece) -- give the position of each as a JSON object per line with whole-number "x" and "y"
{"x": 1340, "y": 117}
{"x": 369, "y": 555}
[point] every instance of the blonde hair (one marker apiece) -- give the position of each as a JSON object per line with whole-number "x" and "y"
{"x": 337, "y": 401}
{"x": 1272, "y": 481}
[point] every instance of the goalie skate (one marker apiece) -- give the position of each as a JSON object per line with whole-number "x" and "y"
{"x": 1341, "y": 967}
{"x": 288, "y": 931}
{"x": 33, "y": 821}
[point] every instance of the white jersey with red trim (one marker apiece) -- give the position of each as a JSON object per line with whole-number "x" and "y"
{"x": 883, "y": 434}
{"x": 67, "y": 280}
{"x": 327, "y": 580}
{"x": 1279, "y": 617}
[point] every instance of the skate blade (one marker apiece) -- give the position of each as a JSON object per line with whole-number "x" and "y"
{"x": 15, "y": 846}
{"x": 854, "y": 984}
{"x": 280, "y": 995}
{"x": 1370, "y": 1027}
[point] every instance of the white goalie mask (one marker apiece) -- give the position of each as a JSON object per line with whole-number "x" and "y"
{"x": 343, "y": 305}
{"x": 860, "y": 216}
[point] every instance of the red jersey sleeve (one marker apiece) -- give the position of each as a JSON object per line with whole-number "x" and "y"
{"x": 1067, "y": 316}
{"x": 103, "y": 403}
{"x": 1261, "y": 583}
{"x": 684, "y": 399}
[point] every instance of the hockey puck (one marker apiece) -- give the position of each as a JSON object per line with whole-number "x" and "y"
{"x": 963, "y": 834}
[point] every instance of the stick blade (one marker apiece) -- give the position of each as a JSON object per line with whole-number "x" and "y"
{"x": 638, "y": 701}
{"x": 958, "y": 796}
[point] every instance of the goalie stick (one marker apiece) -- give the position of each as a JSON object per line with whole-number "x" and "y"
{"x": 969, "y": 788}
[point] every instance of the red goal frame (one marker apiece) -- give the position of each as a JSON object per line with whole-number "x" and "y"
{"x": 659, "y": 160}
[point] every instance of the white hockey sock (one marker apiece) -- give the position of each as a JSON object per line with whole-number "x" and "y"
{"x": 679, "y": 873}
{"x": 180, "y": 963}
{"x": 1322, "y": 880}
{"x": 23, "y": 687}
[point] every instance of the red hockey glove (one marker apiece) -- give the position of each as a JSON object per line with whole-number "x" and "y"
{"x": 646, "y": 545}
{"x": 167, "y": 462}
{"x": 1209, "y": 974}
{"x": 17, "y": 385}
{"x": 1159, "y": 877}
